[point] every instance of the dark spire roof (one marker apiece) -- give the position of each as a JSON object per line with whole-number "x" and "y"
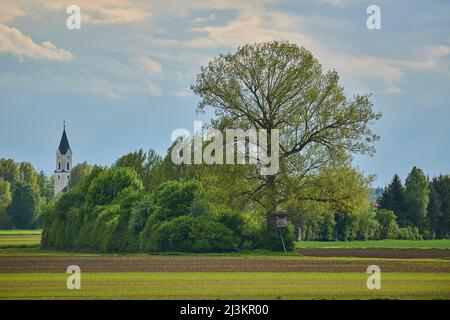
{"x": 64, "y": 144}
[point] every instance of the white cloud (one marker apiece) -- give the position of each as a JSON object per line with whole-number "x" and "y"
{"x": 153, "y": 90}
{"x": 147, "y": 65}
{"x": 208, "y": 18}
{"x": 182, "y": 93}
{"x": 341, "y": 3}
{"x": 11, "y": 10}
{"x": 22, "y": 46}
{"x": 104, "y": 11}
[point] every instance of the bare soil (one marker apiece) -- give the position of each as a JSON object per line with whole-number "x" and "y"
{"x": 378, "y": 253}
{"x": 212, "y": 264}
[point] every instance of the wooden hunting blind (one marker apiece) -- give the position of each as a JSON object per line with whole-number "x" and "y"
{"x": 277, "y": 219}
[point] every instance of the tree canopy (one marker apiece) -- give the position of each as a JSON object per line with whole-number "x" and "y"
{"x": 279, "y": 85}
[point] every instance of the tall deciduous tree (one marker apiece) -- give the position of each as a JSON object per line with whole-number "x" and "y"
{"x": 5, "y": 200}
{"x": 23, "y": 206}
{"x": 79, "y": 172}
{"x": 28, "y": 175}
{"x": 416, "y": 198}
{"x": 279, "y": 85}
{"x": 9, "y": 171}
{"x": 142, "y": 162}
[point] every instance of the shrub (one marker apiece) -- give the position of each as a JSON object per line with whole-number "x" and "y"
{"x": 387, "y": 221}
{"x": 138, "y": 218}
{"x": 110, "y": 183}
{"x": 366, "y": 225}
{"x": 409, "y": 233}
{"x": 190, "y": 234}
{"x": 209, "y": 235}
{"x": 271, "y": 240}
{"x": 344, "y": 229}
{"x": 175, "y": 198}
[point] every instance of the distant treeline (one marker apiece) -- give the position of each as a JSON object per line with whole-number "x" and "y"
{"x": 418, "y": 210}
{"x": 24, "y": 193}
{"x": 421, "y": 205}
{"x": 145, "y": 203}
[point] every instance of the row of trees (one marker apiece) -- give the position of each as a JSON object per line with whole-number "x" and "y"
{"x": 146, "y": 203}
{"x": 24, "y": 193}
{"x": 269, "y": 86}
{"x": 420, "y": 204}
{"x": 112, "y": 210}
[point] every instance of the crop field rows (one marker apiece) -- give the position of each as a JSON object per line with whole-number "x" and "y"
{"x": 27, "y": 272}
{"x": 229, "y": 285}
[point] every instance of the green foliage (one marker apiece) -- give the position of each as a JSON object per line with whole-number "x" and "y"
{"x": 5, "y": 200}
{"x": 46, "y": 186}
{"x": 366, "y": 225}
{"x": 191, "y": 234}
{"x": 279, "y": 85}
{"x": 9, "y": 171}
{"x": 22, "y": 208}
{"x": 109, "y": 183}
{"x": 439, "y": 207}
{"x": 140, "y": 212}
{"x": 409, "y": 233}
{"x": 143, "y": 163}
{"x": 78, "y": 173}
{"x": 387, "y": 222}
{"x": 345, "y": 229}
{"x": 175, "y": 198}
{"x": 39, "y": 192}
{"x": 271, "y": 239}
{"x": 393, "y": 198}
{"x": 416, "y": 199}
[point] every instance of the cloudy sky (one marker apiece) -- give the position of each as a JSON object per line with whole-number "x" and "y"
{"x": 122, "y": 81}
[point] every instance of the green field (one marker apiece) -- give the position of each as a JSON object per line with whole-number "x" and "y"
{"x": 203, "y": 285}
{"x": 31, "y": 238}
{"x": 373, "y": 244}
{"x": 281, "y": 277}
{"x": 21, "y": 232}
{"x": 20, "y": 238}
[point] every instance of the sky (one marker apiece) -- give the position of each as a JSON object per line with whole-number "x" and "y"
{"x": 122, "y": 81}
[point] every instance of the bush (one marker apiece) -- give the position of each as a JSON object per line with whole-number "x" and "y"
{"x": 271, "y": 240}
{"x": 175, "y": 198}
{"x": 345, "y": 227}
{"x": 189, "y": 234}
{"x": 409, "y": 233}
{"x": 388, "y": 227}
{"x": 366, "y": 225}
{"x": 109, "y": 183}
{"x": 209, "y": 235}
{"x": 138, "y": 218}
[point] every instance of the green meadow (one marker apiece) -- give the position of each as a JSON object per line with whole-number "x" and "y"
{"x": 376, "y": 244}
{"x": 225, "y": 285}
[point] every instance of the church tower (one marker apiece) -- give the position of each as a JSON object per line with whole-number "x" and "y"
{"x": 63, "y": 165}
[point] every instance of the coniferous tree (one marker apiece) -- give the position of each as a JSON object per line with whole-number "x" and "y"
{"x": 392, "y": 199}
{"x": 435, "y": 216}
{"x": 441, "y": 185}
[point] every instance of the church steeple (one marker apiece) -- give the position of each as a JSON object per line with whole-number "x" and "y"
{"x": 63, "y": 164}
{"x": 64, "y": 144}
